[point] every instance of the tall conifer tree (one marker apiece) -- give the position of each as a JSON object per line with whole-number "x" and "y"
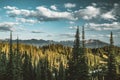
{"x": 73, "y": 69}
{"x": 10, "y": 66}
{"x": 83, "y": 63}
{"x": 78, "y": 66}
{"x": 111, "y": 74}
{"x": 18, "y": 62}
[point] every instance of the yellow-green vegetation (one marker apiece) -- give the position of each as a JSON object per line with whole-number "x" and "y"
{"x": 57, "y": 54}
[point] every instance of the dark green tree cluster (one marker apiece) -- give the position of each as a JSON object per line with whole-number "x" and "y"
{"x": 78, "y": 66}
{"x": 79, "y": 69}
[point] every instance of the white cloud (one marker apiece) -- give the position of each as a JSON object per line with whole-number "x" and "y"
{"x": 26, "y": 20}
{"x": 53, "y": 7}
{"x": 88, "y": 13}
{"x": 41, "y": 13}
{"x": 116, "y": 10}
{"x": 7, "y": 26}
{"x": 19, "y": 12}
{"x": 71, "y": 22}
{"x": 69, "y": 10}
{"x": 47, "y": 13}
{"x": 73, "y": 27}
{"x": 112, "y": 14}
{"x": 95, "y": 12}
{"x": 105, "y": 26}
{"x": 94, "y": 4}
{"x": 69, "y": 5}
{"x": 10, "y": 7}
{"x": 108, "y": 16}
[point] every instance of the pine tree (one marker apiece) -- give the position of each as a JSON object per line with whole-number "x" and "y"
{"x": 111, "y": 74}
{"x": 38, "y": 70}
{"x": 78, "y": 64}
{"x": 3, "y": 64}
{"x": 10, "y": 66}
{"x": 61, "y": 72}
{"x": 83, "y": 63}
{"x": 28, "y": 70}
{"x": 18, "y": 62}
{"x": 73, "y": 66}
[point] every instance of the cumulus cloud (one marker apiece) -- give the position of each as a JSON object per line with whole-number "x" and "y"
{"x": 108, "y": 16}
{"x": 24, "y": 20}
{"x": 53, "y": 7}
{"x": 7, "y": 26}
{"x": 116, "y": 9}
{"x": 104, "y": 26}
{"x": 41, "y": 14}
{"x": 96, "y": 12}
{"x": 10, "y": 7}
{"x": 53, "y": 15}
{"x": 113, "y": 13}
{"x": 88, "y": 13}
{"x": 69, "y": 5}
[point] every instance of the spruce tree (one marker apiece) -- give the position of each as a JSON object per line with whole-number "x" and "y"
{"x": 38, "y": 70}
{"x": 73, "y": 66}
{"x": 78, "y": 66}
{"x": 18, "y": 62}
{"x": 28, "y": 70}
{"x": 111, "y": 74}
{"x": 61, "y": 72}
{"x": 3, "y": 64}
{"x": 83, "y": 63}
{"x": 10, "y": 66}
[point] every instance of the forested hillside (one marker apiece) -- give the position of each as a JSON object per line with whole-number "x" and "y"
{"x": 51, "y": 60}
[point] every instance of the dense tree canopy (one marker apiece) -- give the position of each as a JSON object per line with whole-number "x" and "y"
{"x": 57, "y": 62}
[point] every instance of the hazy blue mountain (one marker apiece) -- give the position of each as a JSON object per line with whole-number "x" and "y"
{"x": 92, "y": 43}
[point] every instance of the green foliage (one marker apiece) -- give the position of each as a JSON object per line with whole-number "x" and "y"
{"x": 57, "y": 62}
{"x": 78, "y": 64}
{"x": 111, "y": 74}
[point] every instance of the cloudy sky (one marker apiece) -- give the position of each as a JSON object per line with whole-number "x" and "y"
{"x": 57, "y": 19}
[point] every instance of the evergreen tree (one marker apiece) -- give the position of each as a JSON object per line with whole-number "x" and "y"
{"x": 78, "y": 64}
{"x": 83, "y": 60}
{"x": 3, "y": 64}
{"x": 38, "y": 70}
{"x": 28, "y": 73}
{"x": 18, "y": 62}
{"x": 73, "y": 66}
{"x": 10, "y": 66}
{"x": 61, "y": 72}
{"x": 111, "y": 74}
{"x": 45, "y": 71}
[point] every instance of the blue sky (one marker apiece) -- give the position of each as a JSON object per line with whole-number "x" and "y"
{"x": 57, "y": 20}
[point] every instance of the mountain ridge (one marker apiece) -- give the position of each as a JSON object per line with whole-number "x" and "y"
{"x": 91, "y": 43}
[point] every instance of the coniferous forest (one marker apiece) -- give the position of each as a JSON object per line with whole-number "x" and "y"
{"x": 57, "y": 62}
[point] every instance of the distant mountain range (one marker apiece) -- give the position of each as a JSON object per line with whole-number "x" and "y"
{"x": 92, "y": 43}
